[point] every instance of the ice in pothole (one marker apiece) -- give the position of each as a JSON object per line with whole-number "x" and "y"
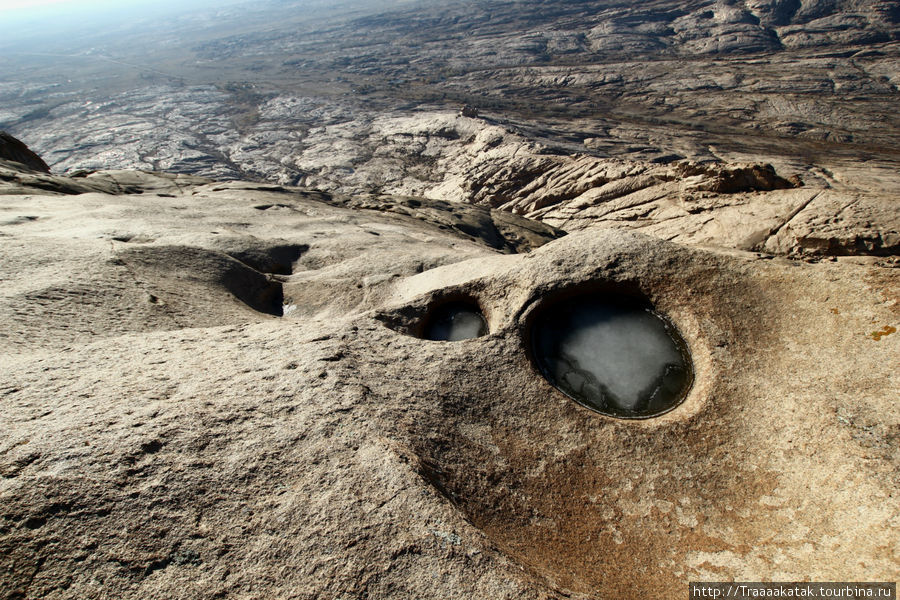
{"x": 612, "y": 355}
{"x": 455, "y": 322}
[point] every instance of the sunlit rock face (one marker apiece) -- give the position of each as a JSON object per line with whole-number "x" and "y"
{"x": 612, "y": 354}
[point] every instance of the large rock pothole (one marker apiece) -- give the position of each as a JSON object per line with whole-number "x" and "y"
{"x": 610, "y": 352}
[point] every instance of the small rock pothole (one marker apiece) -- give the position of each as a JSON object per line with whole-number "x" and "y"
{"x": 454, "y": 321}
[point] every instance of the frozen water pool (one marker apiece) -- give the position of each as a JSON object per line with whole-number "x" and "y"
{"x": 614, "y": 355}
{"x": 454, "y": 322}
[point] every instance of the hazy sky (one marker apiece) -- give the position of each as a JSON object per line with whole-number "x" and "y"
{"x": 11, "y": 4}
{"x": 24, "y": 5}
{"x": 53, "y": 7}
{"x": 50, "y": 7}
{"x": 61, "y": 12}
{"x": 59, "y": 22}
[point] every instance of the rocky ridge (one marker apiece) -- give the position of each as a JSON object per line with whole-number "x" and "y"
{"x": 473, "y": 160}
{"x": 449, "y": 157}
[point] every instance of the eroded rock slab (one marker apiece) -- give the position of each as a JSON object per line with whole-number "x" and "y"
{"x": 167, "y": 435}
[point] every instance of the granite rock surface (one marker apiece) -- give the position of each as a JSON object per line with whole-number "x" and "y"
{"x": 217, "y": 390}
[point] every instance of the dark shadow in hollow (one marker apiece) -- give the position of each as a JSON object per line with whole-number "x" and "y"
{"x": 454, "y": 321}
{"x": 254, "y": 289}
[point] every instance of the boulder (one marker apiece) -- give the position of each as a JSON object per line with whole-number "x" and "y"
{"x": 14, "y": 150}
